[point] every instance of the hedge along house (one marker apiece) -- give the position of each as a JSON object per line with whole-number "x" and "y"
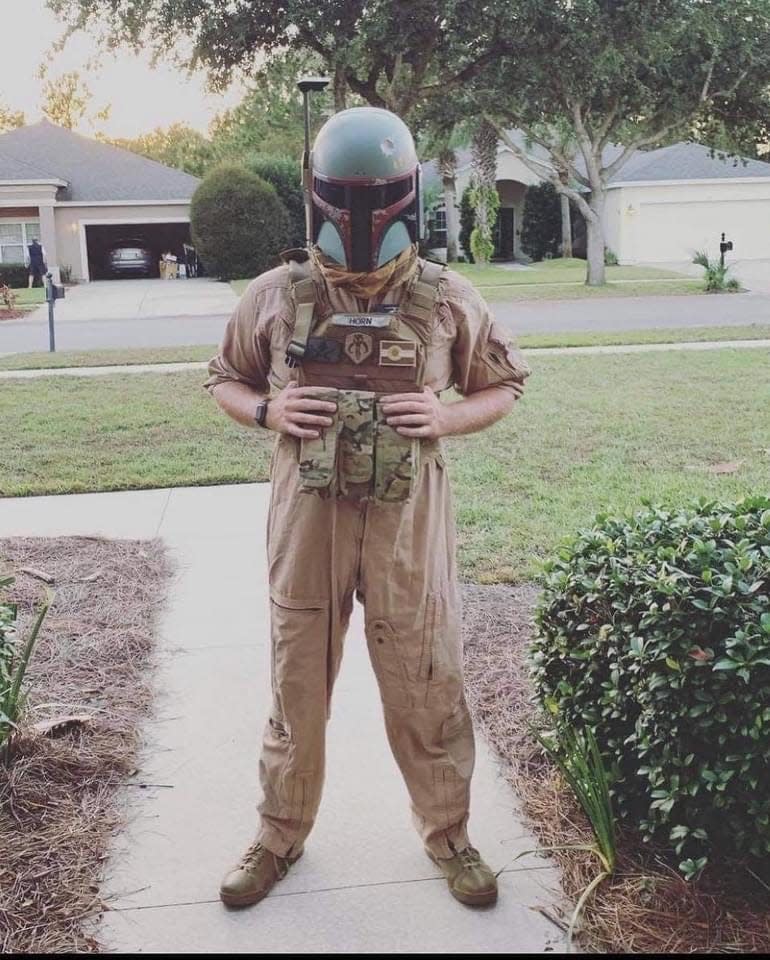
{"x": 78, "y": 196}
{"x": 662, "y": 206}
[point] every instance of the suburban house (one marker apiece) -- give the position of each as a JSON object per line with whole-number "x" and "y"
{"x": 662, "y": 205}
{"x": 78, "y": 196}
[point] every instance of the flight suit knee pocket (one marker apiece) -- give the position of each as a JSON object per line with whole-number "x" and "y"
{"x": 441, "y": 660}
{"x": 388, "y": 663}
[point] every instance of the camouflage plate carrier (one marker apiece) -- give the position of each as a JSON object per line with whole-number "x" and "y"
{"x": 358, "y": 358}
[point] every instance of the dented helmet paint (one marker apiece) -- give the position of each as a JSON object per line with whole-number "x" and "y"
{"x": 365, "y": 188}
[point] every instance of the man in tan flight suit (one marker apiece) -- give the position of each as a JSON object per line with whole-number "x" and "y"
{"x": 344, "y": 351}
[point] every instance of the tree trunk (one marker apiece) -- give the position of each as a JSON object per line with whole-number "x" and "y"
{"x": 447, "y": 162}
{"x": 484, "y": 160}
{"x": 595, "y": 239}
{"x": 340, "y": 88}
{"x": 566, "y": 227}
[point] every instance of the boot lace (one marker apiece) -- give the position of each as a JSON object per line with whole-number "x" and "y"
{"x": 253, "y": 855}
{"x": 469, "y": 857}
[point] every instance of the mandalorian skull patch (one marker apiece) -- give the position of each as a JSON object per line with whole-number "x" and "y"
{"x": 359, "y": 346}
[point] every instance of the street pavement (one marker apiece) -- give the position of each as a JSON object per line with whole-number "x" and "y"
{"x": 181, "y": 312}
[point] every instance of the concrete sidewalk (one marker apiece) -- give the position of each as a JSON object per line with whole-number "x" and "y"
{"x": 364, "y": 884}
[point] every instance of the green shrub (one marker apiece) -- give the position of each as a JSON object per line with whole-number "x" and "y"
{"x": 7, "y": 297}
{"x": 541, "y": 222}
{"x": 715, "y": 274}
{"x": 14, "y": 274}
{"x": 610, "y": 258}
{"x": 238, "y": 223}
{"x": 15, "y": 654}
{"x": 654, "y": 631}
{"x": 285, "y": 175}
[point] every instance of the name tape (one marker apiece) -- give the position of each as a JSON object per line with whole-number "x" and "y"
{"x": 360, "y": 319}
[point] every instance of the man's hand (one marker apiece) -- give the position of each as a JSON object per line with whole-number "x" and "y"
{"x": 295, "y": 410}
{"x": 416, "y": 414}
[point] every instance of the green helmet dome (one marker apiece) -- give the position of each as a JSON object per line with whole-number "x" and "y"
{"x": 364, "y": 143}
{"x": 365, "y": 189}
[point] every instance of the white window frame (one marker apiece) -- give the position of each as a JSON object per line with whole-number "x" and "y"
{"x": 25, "y": 240}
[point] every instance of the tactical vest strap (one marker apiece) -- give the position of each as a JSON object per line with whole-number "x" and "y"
{"x": 304, "y": 295}
{"x": 424, "y": 292}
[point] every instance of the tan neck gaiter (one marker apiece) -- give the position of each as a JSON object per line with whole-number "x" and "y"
{"x": 398, "y": 270}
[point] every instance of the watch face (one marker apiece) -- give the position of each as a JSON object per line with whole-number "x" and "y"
{"x": 260, "y": 412}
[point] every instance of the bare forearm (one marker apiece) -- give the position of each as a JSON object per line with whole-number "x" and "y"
{"x": 238, "y": 400}
{"x": 477, "y": 411}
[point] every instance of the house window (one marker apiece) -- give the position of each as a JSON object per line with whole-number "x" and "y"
{"x": 14, "y": 238}
{"x": 440, "y": 219}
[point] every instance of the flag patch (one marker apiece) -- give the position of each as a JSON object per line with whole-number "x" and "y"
{"x": 398, "y": 353}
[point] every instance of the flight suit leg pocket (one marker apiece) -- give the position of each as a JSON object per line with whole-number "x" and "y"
{"x": 388, "y": 663}
{"x": 441, "y": 662}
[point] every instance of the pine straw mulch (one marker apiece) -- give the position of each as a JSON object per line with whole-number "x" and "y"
{"x": 647, "y": 907}
{"x": 58, "y": 796}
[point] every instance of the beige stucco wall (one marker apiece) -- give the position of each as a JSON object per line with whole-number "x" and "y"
{"x": 71, "y": 220}
{"x": 669, "y": 222}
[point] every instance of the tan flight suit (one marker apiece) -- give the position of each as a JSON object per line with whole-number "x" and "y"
{"x": 398, "y": 558}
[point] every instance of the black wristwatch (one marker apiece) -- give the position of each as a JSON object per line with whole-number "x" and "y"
{"x": 260, "y": 414}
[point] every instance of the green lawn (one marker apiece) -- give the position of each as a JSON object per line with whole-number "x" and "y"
{"x": 107, "y": 358}
{"x": 592, "y": 433}
{"x": 29, "y": 299}
{"x": 754, "y": 331}
{"x": 563, "y": 280}
{"x": 554, "y": 271}
{"x": 579, "y": 291}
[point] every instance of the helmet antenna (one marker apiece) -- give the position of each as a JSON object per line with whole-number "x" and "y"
{"x": 306, "y": 84}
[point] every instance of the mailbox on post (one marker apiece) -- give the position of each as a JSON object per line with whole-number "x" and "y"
{"x": 53, "y": 292}
{"x": 724, "y": 247}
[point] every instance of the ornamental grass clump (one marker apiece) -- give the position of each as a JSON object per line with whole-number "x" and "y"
{"x": 653, "y": 631}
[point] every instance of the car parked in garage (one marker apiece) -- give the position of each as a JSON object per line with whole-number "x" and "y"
{"x": 129, "y": 257}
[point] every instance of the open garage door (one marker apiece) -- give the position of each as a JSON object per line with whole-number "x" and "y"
{"x": 157, "y": 238}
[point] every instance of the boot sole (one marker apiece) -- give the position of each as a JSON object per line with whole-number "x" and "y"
{"x": 247, "y": 899}
{"x": 469, "y": 899}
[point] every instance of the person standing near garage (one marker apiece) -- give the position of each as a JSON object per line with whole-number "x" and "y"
{"x": 343, "y": 351}
{"x": 37, "y": 267}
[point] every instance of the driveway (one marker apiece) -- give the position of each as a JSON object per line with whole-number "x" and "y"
{"x": 127, "y": 313}
{"x": 142, "y": 299}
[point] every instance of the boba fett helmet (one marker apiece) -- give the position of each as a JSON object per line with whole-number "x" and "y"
{"x": 365, "y": 202}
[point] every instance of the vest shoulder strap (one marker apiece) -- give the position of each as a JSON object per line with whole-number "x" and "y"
{"x": 303, "y": 292}
{"x": 423, "y": 294}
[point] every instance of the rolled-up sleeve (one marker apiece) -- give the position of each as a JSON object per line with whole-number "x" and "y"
{"x": 244, "y": 354}
{"x": 484, "y": 354}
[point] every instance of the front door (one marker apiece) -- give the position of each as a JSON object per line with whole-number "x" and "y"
{"x": 504, "y": 234}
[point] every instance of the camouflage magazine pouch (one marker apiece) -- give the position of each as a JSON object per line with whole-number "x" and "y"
{"x": 355, "y": 441}
{"x": 318, "y": 455}
{"x": 396, "y": 463}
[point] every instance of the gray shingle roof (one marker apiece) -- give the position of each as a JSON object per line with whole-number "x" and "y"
{"x": 689, "y": 161}
{"x": 93, "y": 170}
{"x": 681, "y": 161}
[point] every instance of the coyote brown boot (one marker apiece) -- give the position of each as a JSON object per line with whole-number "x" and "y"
{"x": 254, "y": 875}
{"x": 470, "y": 880}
